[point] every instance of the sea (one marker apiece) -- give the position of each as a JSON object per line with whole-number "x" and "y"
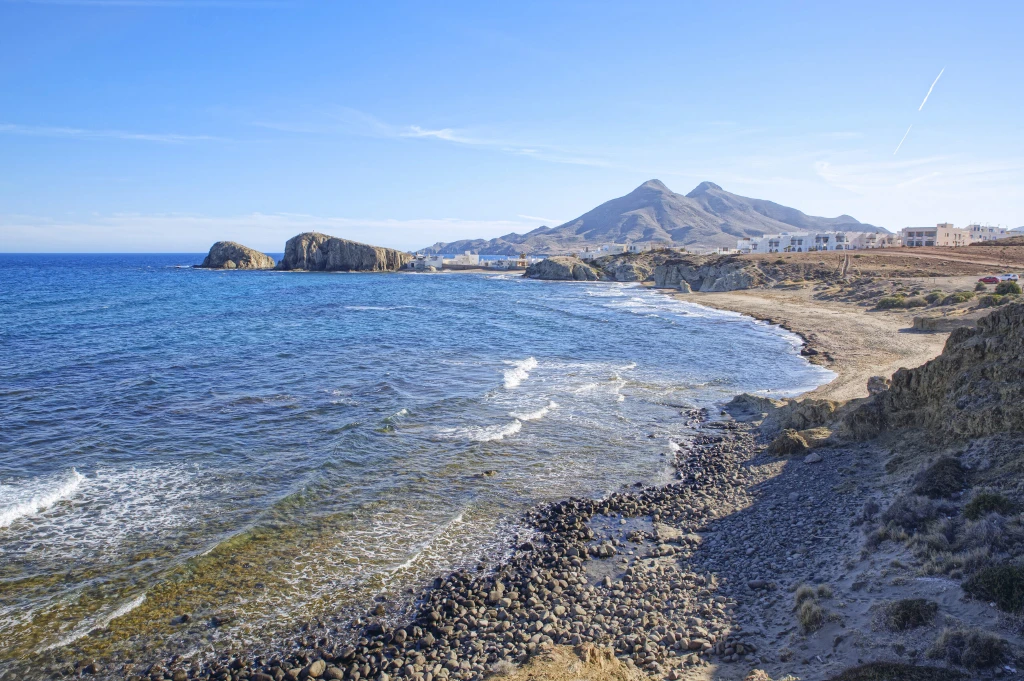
{"x": 257, "y": 450}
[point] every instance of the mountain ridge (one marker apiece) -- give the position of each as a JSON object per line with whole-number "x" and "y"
{"x": 708, "y": 216}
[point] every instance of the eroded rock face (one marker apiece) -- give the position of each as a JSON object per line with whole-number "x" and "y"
{"x": 620, "y": 270}
{"x": 707, "y": 274}
{"x": 320, "y": 252}
{"x": 228, "y": 255}
{"x": 975, "y": 388}
{"x": 562, "y": 268}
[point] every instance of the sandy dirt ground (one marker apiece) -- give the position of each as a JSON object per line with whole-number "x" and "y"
{"x": 851, "y": 340}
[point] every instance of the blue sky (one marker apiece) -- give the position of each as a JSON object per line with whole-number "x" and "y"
{"x": 164, "y": 125}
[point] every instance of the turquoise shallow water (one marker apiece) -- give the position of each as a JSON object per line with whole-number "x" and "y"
{"x": 276, "y": 446}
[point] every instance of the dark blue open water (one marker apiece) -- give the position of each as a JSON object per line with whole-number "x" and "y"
{"x": 277, "y": 446}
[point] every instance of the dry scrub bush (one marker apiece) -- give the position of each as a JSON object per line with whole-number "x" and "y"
{"x": 942, "y": 479}
{"x": 971, "y": 648}
{"x": 897, "y": 671}
{"x": 1001, "y": 584}
{"x": 909, "y": 613}
{"x": 984, "y": 503}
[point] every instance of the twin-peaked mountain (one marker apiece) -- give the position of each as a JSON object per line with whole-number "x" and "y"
{"x": 708, "y": 216}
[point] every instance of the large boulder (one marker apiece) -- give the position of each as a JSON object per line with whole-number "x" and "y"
{"x": 562, "y": 268}
{"x": 228, "y": 255}
{"x": 322, "y": 253}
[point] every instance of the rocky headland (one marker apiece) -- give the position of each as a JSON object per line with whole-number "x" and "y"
{"x": 229, "y": 255}
{"x": 317, "y": 252}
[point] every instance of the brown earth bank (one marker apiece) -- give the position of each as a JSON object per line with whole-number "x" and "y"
{"x": 867, "y": 538}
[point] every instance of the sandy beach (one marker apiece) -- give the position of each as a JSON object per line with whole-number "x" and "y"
{"x": 850, "y": 339}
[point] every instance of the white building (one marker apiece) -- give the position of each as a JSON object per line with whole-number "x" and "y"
{"x": 594, "y": 252}
{"x": 803, "y": 242}
{"x": 978, "y": 233}
{"x": 467, "y": 258}
{"x": 425, "y": 262}
{"x": 942, "y": 234}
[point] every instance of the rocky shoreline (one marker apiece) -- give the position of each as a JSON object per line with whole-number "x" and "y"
{"x": 604, "y": 572}
{"x": 748, "y": 565}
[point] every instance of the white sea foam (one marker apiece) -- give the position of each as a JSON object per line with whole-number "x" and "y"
{"x": 38, "y": 495}
{"x": 493, "y": 433}
{"x": 534, "y": 415}
{"x": 101, "y": 623}
{"x": 519, "y": 372}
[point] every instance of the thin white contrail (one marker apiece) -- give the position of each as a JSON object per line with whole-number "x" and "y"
{"x": 901, "y": 141}
{"x": 931, "y": 88}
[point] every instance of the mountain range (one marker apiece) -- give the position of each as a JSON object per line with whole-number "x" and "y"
{"x": 707, "y": 217}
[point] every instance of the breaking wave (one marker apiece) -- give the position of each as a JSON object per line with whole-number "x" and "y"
{"x": 534, "y": 415}
{"x": 519, "y": 372}
{"x": 37, "y": 497}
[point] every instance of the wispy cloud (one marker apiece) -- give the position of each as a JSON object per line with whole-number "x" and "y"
{"x": 929, "y": 93}
{"x": 343, "y": 120}
{"x": 546, "y": 221}
{"x": 82, "y": 133}
{"x": 189, "y": 233}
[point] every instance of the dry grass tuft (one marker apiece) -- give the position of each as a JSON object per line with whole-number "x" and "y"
{"x": 811, "y": 616}
{"x": 503, "y": 668}
{"x": 971, "y": 648}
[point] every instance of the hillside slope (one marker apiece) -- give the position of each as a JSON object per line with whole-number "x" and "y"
{"x": 708, "y": 216}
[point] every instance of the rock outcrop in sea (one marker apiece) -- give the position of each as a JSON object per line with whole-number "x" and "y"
{"x": 229, "y": 255}
{"x": 562, "y": 268}
{"x": 323, "y": 253}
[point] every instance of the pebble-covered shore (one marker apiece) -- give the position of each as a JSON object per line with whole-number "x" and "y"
{"x": 620, "y": 572}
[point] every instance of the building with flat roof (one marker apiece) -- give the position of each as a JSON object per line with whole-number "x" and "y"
{"x": 943, "y": 234}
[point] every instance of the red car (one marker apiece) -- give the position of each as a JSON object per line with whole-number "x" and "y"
{"x": 989, "y": 280}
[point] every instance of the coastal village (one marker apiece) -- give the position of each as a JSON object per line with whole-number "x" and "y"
{"x": 943, "y": 235}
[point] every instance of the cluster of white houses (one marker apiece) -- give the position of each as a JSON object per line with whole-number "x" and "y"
{"x": 427, "y": 263}
{"x": 944, "y": 234}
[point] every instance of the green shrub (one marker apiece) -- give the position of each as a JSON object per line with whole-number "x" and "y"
{"x": 909, "y": 613}
{"x": 897, "y": 671}
{"x": 991, "y": 300}
{"x": 944, "y": 478}
{"x": 958, "y": 297}
{"x": 980, "y": 286}
{"x": 934, "y": 297}
{"x": 780, "y": 261}
{"x": 984, "y": 503}
{"x": 971, "y": 648}
{"x": 915, "y": 301}
{"x": 1001, "y": 584}
{"x": 890, "y": 302}
{"x": 1005, "y": 288}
